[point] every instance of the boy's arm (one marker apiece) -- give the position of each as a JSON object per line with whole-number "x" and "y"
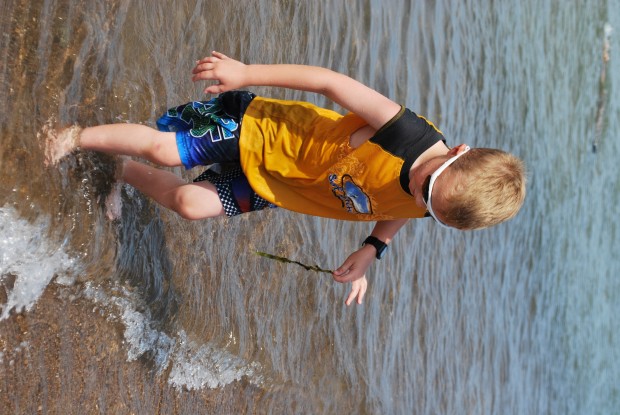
{"x": 355, "y": 266}
{"x": 356, "y": 97}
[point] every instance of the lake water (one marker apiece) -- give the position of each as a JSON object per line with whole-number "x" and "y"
{"x": 154, "y": 314}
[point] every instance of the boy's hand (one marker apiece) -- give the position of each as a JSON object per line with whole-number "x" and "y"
{"x": 358, "y": 289}
{"x": 228, "y": 73}
{"x": 354, "y": 270}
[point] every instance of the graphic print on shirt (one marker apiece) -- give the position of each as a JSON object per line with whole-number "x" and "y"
{"x": 353, "y": 198}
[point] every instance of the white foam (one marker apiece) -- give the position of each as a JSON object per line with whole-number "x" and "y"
{"x": 58, "y": 143}
{"x": 192, "y": 365}
{"x": 27, "y": 254}
{"x": 196, "y": 366}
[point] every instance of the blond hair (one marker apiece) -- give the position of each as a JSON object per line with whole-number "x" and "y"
{"x": 489, "y": 188}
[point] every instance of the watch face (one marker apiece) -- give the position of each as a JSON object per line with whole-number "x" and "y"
{"x": 381, "y": 252}
{"x": 379, "y": 246}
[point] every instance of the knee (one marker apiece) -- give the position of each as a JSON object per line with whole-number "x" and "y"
{"x": 192, "y": 205}
{"x": 184, "y": 205}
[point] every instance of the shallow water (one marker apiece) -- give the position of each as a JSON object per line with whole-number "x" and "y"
{"x": 153, "y": 314}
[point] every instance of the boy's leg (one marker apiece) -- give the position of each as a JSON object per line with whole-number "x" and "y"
{"x": 132, "y": 140}
{"x": 189, "y": 200}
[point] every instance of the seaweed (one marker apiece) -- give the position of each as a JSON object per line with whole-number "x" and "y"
{"x": 314, "y": 268}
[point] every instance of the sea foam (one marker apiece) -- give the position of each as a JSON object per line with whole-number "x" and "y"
{"x": 192, "y": 364}
{"x": 27, "y": 255}
{"x": 32, "y": 260}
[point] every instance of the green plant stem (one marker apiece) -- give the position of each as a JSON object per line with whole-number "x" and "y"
{"x": 315, "y": 268}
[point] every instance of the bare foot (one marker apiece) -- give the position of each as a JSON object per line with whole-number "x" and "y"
{"x": 59, "y": 143}
{"x": 113, "y": 202}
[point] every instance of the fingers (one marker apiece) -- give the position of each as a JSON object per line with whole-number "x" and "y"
{"x": 358, "y": 290}
{"x": 342, "y": 272}
{"x": 349, "y": 274}
{"x": 210, "y": 69}
{"x": 213, "y": 89}
{"x": 204, "y": 71}
{"x": 350, "y": 298}
{"x": 346, "y": 277}
{"x": 218, "y": 55}
{"x": 215, "y": 57}
{"x": 203, "y": 66}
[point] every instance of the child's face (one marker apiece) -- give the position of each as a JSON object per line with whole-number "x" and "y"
{"x": 420, "y": 178}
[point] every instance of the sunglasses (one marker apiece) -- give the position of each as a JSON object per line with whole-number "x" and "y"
{"x": 425, "y": 189}
{"x": 427, "y": 186}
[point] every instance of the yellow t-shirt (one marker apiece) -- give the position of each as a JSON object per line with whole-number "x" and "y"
{"x": 297, "y": 156}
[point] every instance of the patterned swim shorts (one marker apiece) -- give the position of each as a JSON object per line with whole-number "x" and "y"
{"x": 234, "y": 191}
{"x": 207, "y": 133}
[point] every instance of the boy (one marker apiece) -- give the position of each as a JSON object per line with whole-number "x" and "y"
{"x": 381, "y": 162}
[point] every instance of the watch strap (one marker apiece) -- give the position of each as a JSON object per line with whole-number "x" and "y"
{"x": 379, "y": 245}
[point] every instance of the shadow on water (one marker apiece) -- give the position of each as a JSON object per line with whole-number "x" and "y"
{"x": 143, "y": 258}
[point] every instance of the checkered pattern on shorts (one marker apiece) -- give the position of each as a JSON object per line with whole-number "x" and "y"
{"x": 222, "y": 182}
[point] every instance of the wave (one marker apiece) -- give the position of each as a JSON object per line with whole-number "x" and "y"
{"x": 29, "y": 262}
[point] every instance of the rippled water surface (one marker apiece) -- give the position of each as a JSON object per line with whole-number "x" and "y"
{"x": 154, "y": 314}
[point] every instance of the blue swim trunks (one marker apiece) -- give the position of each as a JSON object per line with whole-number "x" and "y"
{"x": 207, "y": 132}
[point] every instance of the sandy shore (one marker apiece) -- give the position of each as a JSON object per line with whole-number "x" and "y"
{"x": 65, "y": 357}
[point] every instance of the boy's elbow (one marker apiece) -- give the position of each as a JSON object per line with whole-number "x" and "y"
{"x": 330, "y": 83}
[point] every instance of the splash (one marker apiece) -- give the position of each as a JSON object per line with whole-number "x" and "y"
{"x": 192, "y": 365}
{"x": 27, "y": 256}
{"x": 57, "y": 144}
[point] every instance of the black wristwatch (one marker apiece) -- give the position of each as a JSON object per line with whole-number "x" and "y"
{"x": 379, "y": 245}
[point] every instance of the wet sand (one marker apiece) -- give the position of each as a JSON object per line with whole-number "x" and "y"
{"x": 63, "y": 357}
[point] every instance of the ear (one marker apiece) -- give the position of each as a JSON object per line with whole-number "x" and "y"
{"x": 457, "y": 150}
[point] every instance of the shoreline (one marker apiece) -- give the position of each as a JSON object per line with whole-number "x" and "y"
{"x": 65, "y": 356}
